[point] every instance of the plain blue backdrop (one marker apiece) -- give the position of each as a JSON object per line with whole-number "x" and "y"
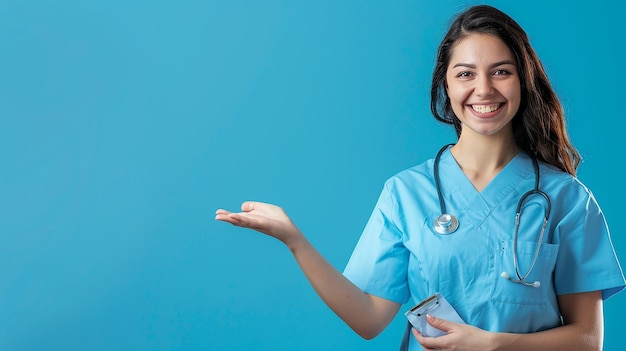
{"x": 124, "y": 125}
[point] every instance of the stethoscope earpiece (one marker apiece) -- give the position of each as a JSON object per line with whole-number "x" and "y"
{"x": 534, "y": 284}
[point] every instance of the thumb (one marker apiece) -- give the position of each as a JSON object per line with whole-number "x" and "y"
{"x": 439, "y": 323}
{"x": 248, "y": 206}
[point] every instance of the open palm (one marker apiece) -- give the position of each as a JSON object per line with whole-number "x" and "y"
{"x": 265, "y": 218}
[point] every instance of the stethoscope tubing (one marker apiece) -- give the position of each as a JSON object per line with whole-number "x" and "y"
{"x": 447, "y": 223}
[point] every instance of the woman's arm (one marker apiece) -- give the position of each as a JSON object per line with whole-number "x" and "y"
{"x": 367, "y": 315}
{"x": 583, "y": 330}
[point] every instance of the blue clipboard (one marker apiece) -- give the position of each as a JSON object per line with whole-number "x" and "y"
{"x": 437, "y": 306}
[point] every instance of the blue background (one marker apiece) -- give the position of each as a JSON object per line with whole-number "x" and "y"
{"x": 125, "y": 124}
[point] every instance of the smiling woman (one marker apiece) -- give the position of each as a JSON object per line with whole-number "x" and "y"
{"x": 512, "y": 156}
{"x": 483, "y": 85}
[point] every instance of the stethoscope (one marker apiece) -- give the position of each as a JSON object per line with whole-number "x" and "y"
{"x": 447, "y": 223}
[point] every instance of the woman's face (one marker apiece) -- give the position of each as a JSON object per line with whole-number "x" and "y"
{"x": 483, "y": 85}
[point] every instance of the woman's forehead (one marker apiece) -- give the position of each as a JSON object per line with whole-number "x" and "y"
{"x": 480, "y": 50}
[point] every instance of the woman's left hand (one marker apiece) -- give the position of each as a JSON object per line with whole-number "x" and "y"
{"x": 460, "y": 337}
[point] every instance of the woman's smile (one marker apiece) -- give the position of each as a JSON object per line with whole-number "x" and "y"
{"x": 486, "y": 110}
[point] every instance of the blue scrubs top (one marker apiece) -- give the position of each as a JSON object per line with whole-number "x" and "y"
{"x": 400, "y": 256}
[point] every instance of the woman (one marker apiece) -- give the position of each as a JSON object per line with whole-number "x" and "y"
{"x": 536, "y": 284}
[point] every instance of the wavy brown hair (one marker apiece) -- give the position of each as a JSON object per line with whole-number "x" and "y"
{"x": 539, "y": 125}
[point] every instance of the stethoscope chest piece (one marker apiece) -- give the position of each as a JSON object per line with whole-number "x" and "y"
{"x": 446, "y": 224}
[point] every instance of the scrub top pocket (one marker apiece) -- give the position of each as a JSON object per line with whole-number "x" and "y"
{"x": 507, "y": 291}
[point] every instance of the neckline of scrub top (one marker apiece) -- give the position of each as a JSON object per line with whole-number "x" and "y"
{"x": 461, "y": 196}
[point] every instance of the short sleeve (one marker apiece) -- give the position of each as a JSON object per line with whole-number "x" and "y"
{"x": 379, "y": 262}
{"x": 587, "y": 259}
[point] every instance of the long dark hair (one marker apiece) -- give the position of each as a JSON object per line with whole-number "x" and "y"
{"x": 539, "y": 125}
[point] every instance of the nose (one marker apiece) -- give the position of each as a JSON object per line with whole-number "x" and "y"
{"x": 484, "y": 86}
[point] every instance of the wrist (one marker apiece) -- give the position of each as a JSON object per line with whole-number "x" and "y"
{"x": 500, "y": 341}
{"x": 296, "y": 242}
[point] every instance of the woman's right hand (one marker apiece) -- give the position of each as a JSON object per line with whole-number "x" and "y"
{"x": 262, "y": 217}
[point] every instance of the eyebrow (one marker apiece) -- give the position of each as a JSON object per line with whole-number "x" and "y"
{"x": 499, "y": 63}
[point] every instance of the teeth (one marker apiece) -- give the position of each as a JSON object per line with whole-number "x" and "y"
{"x": 485, "y": 108}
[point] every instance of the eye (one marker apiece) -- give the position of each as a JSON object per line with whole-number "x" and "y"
{"x": 464, "y": 74}
{"x": 501, "y": 73}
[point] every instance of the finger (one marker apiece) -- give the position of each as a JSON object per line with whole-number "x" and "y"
{"x": 235, "y": 218}
{"x": 439, "y": 323}
{"x": 224, "y": 217}
{"x": 245, "y": 221}
{"x": 228, "y": 216}
{"x": 427, "y": 343}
